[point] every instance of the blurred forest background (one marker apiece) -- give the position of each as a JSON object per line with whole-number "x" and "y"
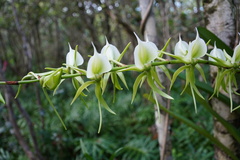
{"x": 34, "y": 34}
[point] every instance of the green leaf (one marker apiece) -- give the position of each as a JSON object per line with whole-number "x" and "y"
{"x": 231, "y": 129}
{"x": 207, "y": 35}
{"x": 84, "y": 150}
{"x": 201, "y": 131}
{"x": 116, "y": 153}
{"x": 2, "y": 99}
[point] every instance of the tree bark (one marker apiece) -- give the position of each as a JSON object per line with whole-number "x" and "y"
{"x": 148, "y": 29}
{"x": 9, "y": 95}
{"x": 220, "y": 19}
{"x": 25, "y": 44}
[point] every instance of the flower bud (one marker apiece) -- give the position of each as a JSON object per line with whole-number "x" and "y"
{"x": 97, "y": 65}
{"x": 72, "y": 59}
{"x": 218, "y": 53}
{"x": 144, "y": 53}
{"x": 110, "y": 51}
{"x": 51, "y": 81}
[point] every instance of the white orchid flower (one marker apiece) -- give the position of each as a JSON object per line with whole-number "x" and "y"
{"x": 181, "y": 48}
{"x": 218, "y": 53}
{"x": 236, "y": 54}
{"x": 197, "y": 48}
{"x": 110, "y": 51}
{"x": 144, "y": 53}
{"x": 97, "y": 65}
{"x": 72, "y": 59}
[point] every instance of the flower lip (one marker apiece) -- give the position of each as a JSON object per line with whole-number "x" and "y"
{"x": 97, "y": 65}
{"x": 144, "y": 53}
{"x": 72, "y": 59}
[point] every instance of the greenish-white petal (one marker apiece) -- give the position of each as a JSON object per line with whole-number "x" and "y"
{"x": 97, "y": 65}
{"x": 218, "y": 53}
{"x": 144, "y": 53}
{"x": 197, "y": 48}
{"x": 181, "y": 48}
{"x": 71, "y": 59}
{"x": 236, "y": 54}
{"x": 110, "y": 51}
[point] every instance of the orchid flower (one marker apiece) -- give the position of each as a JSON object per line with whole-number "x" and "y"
{"x": 73, "y": 57}
{"x": 110, "y": 51}
{"x": 187, "y": 52}
{"x": 197, "y": 48}
{"x": 217, "y": 53}
{"x": 97, "y": 65}
{"x": 144, "y": 53}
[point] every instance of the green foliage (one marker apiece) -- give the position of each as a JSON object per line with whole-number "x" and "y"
{"x": 128, "y": 129}
{"x": 187, "y": 143}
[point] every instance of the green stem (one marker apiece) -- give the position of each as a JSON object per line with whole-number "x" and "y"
{"x": 199, "y": 61}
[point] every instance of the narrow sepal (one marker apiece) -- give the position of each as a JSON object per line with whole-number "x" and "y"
{"x": 155, "y": 88}
{"x": 136, "y": 84}
{"x": 121, "y": 76}
{"x": 55, "y": 110}
{"x": 2, "y": 99}
{"x": 80, "y": 89}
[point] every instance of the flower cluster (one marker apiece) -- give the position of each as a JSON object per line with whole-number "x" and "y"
{"x": 106, "y": 65}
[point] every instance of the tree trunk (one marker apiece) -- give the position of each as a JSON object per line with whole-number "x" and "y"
{"x": 26, "y": 46}
{"x": 148, "y": 29}
{"x": 220, "y": 19}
